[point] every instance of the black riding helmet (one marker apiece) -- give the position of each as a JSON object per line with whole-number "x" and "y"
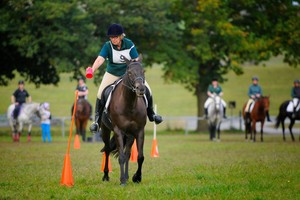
{"x": 115, "y": 30}
{"x": 296, "y": 81}
{"x": 21, "y": 82}
{"x": 254, "y": 78}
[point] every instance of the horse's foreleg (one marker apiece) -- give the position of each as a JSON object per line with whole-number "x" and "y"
{"x": 129, "y": 143}
{"x": 283, "y": 129}
{"x": 291, "y": 127}
{"x": 83, "y": 129}
{"x": 262, "y": 131}
{"x": 253, "y": 130}
{"x": 122, "y": 158}
{"x": 137, "y": 177}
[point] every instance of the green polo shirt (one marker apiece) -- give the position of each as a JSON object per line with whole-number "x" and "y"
{"x": 217, "y": 90}
{"x": 117, "y": 69}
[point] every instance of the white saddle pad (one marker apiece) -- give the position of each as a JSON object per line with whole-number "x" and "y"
{"x": 290, "y": 107}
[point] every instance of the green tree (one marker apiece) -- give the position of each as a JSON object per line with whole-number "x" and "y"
{"x": 218, "y": 36}
{"x": 40, "y": 39}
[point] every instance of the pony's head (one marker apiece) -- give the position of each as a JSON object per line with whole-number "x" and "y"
{"x": 135, "y": 76}
{"x": 217, "y": 100}
{"x": 266, "y": 102}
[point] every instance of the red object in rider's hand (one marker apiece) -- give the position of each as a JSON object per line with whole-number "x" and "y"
{"x": 89, "y": 72}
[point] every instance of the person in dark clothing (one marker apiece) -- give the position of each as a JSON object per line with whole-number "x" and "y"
{"x": 19, "y": 97}
{"x": 83, "y": 91}
{"x": 295, "y": 93}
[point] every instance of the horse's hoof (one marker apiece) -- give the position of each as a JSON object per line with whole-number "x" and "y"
{"x": 123, "y": 184}
{"x": 105, "y": 178}
{"x": 136, "y": 178}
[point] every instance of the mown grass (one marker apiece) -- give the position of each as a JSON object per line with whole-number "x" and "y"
{"x": 189, "y": 167}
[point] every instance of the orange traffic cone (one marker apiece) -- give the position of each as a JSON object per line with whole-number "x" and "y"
{"x": 154, "y": 151}
{"x": 134, "y": 152}
{"x": 77, "y": 142}
{"x": 103, "y": 163}
{"x": 66, "y": 177}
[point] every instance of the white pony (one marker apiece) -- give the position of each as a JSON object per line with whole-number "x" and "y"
{"x": 26, "y": 115}
{"x": 215, "y": 115}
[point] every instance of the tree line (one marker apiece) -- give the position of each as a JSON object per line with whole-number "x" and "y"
{"x": 195, "y": 40}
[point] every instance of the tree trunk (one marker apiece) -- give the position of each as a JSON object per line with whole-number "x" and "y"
{"x": 201, "y": 98}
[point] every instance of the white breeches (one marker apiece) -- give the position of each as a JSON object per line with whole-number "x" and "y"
{"x": 209, "y": 100}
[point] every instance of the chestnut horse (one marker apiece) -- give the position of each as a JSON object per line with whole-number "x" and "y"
{"x": 82, "y": 115}
{"x": 127, "y": 113}
{"x": 258, "y": 114}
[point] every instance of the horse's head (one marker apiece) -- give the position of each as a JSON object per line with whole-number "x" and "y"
{"x": 135, "y": 76}
{"x": 266, "y": 102}
{"x": 217, "y": 100}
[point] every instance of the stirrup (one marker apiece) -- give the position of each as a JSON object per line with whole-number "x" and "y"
{"x": 157, "y": 119}
{"x": 94, "y": 127}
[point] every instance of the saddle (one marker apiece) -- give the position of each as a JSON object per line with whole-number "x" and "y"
{"x": 290, "y": 107}
{"x": 106, "y": 98}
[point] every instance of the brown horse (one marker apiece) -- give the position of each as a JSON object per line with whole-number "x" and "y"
{"x": 258, "y": 114}
{"x": 127, "y": 112}
{"x": 82, "y": 115}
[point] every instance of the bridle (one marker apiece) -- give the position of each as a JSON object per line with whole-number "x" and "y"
{"x": 131, "y": 83}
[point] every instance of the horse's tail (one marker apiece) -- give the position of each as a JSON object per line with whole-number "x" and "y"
{"x": 281, "y": 115}
{"x": 113, "y": 146}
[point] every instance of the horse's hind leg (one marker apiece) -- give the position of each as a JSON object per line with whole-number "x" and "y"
{"x": 291, "y": 127}
{"x": 137, "y": 177}
{"x": 106, "y": 149}
{"x": 29, "y": 133}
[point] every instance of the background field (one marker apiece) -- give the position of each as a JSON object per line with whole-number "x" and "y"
{"x": 189, "y": 167}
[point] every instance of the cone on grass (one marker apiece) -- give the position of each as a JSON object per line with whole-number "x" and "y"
{"x": 67, "y": 177}
{"x": 103, "y": 163}
{"x": 134, "y": 152}
{"x": 76, "y": 142}
{"x": 154, "y": 150}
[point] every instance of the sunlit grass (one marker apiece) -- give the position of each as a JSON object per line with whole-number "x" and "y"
{"x": 189, "y": 167}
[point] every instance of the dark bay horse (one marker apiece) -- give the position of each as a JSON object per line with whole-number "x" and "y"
{"x": 258, "y": 114}
{"x": 215, "y": 115}
{"x": 128, "y": 115}
{"x": 82, "y": 115}
{"x": 283, "y": 114}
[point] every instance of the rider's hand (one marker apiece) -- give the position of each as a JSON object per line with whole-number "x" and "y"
{"x": 16, "y": 103}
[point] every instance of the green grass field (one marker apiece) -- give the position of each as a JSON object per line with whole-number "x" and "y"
{"x": 188, "y": 167}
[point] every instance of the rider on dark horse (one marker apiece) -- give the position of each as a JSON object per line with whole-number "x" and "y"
{"x": 214, "y": 88}
{"x": 295, "y": 93}
{"x": 114, "y": 50}
{"x": 83, "y": 91}
{"x": 254, "y": 92}
{"x": 18, "y": 98}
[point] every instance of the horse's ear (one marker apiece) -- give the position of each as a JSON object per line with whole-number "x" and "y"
{"x": 126, "y": 60}
{"x": 140, "y": 58}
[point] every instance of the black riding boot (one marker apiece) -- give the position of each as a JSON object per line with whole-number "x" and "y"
{"x": 268, "y": 116}
{"x": 224, "y": 113}
{"x": 151, "y": 114}
{"x": 98, "y": 113}
{"x": 205, "y": 112}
